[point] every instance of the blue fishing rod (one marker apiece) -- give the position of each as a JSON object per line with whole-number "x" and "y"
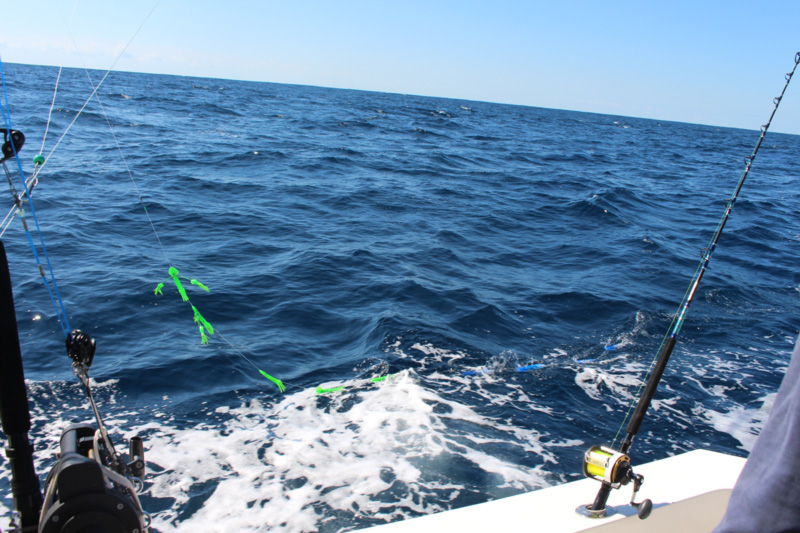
{"x": 612, "y": 467}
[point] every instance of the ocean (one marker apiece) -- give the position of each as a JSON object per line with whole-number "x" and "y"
{"x": 347, "y": 235}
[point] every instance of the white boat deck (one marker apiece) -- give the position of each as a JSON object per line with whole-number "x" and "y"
{"x": 701, "y": 480}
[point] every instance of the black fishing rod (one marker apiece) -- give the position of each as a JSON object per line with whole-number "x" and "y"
{"x": 613, "y": 467}
{"x": 90, "y": 488}
{"x": 14, "y": 412}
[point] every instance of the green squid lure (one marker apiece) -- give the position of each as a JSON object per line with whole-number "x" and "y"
{"x": 276, "y": 381}
{"x": 202, "y": 324}
{"x": 377, "y": 379}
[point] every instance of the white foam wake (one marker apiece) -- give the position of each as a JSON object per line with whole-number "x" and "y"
{"x": 371, "y": 450}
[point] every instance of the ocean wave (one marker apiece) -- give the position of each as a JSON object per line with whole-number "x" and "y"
{"x": 514, "y": 268}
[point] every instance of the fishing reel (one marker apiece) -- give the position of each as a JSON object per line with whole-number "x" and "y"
{"x": 13, "y": 141}
{"x": 606, "y": 465}
{"x": 84, "y": 493}
{"x": 613, "y": 469}
{"x": 90, "y": 488}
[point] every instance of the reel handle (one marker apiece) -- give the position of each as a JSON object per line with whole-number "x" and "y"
{"x": 645, "y": 507}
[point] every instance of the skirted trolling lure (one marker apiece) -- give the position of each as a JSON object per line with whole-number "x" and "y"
{"x": 377, "y": 379}
{"x": 202, "y": 324}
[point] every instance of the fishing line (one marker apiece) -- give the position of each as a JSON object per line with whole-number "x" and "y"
{"x": 55, "y": 295}
{"x": 55, "y": 89}
{"x": 276, "y": 381}
{"x": 52, "y": 105}
{"x": 648, "y": 386}
{"x": 103, "y": 79}
{"x": 125, "y": 163}
{"x": 204, "y": 327}
{"x": 31, "y": 182}
{"x": 8, "y": 219}
{"x": 58, "y": 79}
{"x": 39, "y": 159}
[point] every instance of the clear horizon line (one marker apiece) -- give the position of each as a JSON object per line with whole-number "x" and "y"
{"x": 754, "y": 129}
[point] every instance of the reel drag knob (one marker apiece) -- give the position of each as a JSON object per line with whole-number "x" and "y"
{"x": 136, "y": 456}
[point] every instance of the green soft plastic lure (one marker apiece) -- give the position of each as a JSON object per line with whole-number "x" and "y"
{"x": 203, "y": 325}
{"x": 320, "y": 390}
{"x": 378, "y": 379}
{"x": 276, "y": 381}
{"x": 201, "y": 322}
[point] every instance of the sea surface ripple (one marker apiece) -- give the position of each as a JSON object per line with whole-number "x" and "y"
{"x": 348, "y": 235}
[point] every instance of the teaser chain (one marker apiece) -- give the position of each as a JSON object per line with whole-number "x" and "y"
{"x": 203, "y": 325}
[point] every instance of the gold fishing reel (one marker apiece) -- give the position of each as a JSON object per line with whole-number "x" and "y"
{"x": 613, "y": 469}
{"x": 606, "y": 465}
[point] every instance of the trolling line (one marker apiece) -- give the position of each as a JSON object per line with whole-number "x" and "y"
{"x": 205, "y": 328}
{"x": 50, "y": 111}
{"x": 127, "y": 167}
{"x": 58, "y": 78}
{"x": 40, "y": 162}
{"x": 103, "y": 79}
{"x": 31, "y": 182}
{"x": 54, "y": 293}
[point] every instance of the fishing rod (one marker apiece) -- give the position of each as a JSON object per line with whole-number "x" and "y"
{"x": 90, "y": 486}
{"x": 610, "y": 466}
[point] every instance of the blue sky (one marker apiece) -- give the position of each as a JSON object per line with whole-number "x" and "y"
{"x": 707, "y": 62}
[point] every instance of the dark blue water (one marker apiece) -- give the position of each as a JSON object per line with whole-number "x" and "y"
{"x": 345, "y": 235}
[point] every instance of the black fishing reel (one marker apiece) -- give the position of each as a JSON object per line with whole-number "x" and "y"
{"x": 90, "y": 488}
{"x": 81, "y": 348}
{"x": 613, "y": 469}
{"x": 83, "y": 493}
{"x": 8, "y": 149}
